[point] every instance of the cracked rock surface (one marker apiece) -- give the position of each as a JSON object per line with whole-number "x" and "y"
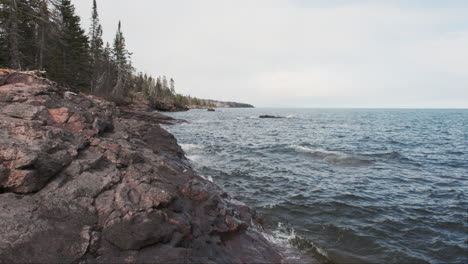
{"x": 82, "y": 181}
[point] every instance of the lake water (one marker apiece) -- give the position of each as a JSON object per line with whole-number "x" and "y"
{"x": 350, "y": 185}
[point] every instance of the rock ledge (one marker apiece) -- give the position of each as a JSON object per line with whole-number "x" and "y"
{"x": 82, "y": 181}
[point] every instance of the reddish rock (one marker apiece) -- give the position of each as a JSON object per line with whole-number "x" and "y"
{"x": 84, "y": 182}
{"x": 59, "y": 115}
{"x": 76, "y": 117}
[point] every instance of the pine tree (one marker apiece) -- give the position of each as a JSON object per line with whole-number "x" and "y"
{"x": 4, "y": 52}
{"x": 46, "y": 34}
{"x": 28, "y": 37}
{"x": 122, "y": 62}
{"x": 172, "y": 83}
{"x": 108, "y": 78}
{"x": 19, "y": 36}
{"x": 95, "y": 34}
{"x": 96, "y": 51}
{"x": 43, "y": 28}
{"x": 164, "y": 83}
{"x": 13, "y": 34}
{"x": 71, "y": 63}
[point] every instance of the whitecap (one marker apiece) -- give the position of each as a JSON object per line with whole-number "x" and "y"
{"x": 189, "y": 147}
{"x": 202, "y": 121}
{"x": 270, "y": 205}
{"x": 194, "y": 158}
{"x": 284, "y": 238}
{"x": 208, "y": 178}
{"x": 333, "y": 157}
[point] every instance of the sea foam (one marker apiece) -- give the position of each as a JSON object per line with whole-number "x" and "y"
{"x": 333, "y": 157}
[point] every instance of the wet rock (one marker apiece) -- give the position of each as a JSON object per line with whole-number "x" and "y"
{"x": 270, "y": 116}
{"x": 211, "y": 110}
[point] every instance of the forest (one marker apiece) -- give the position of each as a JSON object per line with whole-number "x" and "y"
{"x": 46, "y": 35}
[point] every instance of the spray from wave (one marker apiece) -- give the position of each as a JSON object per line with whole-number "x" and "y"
{"x": 292, "y": 246}
{"x": 190, "y": 147}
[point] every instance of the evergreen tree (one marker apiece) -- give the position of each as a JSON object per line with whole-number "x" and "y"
{"x": 121, "y": 60}
{"x": 4, "y": 52}
{"x": 46, "y": 34}
{"x": 71, "y": 60}
{"x": 12, "y": 32}
{"x": 27, "y": 37}
{"x": 164, "y": 83}
{"x": 96, "y": 51}
{"x": 172, "y": 83}
{"x": 43, "y": 33}
{"x": 95, "y": 34}
{"x": 22, "y": 23}
{"x": 108, "y": 77}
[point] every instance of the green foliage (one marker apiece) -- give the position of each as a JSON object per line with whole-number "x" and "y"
{"x": 121, "y": 57}
{"x": 98, "y": 59}
{"x": 95, "y": 36}
{"x": 71, "y": 55}
{"x": 4, "y": 54}
{"x": 47, "y": 35}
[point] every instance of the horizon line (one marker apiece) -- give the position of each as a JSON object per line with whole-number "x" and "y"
{"x": 415, "y": 108}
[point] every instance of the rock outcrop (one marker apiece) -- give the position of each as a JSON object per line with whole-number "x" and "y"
{"x": 270, "y": 116}
{"x": 82, "y": 181}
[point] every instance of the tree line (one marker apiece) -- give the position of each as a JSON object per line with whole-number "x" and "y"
{"x": 47, "y": 35}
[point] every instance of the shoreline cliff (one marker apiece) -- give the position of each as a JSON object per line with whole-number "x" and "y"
{"x": 82, "y": 181}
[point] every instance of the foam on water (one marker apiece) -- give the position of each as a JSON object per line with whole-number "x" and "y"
{"x": 190, "y": 147}
{"x": 208, "y": 178}
{"x": 292, "y": 246}
{"x": 333, "y": 157}
{"x": 195, "y": 158}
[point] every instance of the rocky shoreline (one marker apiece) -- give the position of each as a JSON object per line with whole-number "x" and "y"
{"x": 83, "y": 181}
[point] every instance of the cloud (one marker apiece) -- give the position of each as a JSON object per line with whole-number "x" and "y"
{"x": 274, "y": 52}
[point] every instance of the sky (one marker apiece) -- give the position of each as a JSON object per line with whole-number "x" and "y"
{"x": 300, "y": 53}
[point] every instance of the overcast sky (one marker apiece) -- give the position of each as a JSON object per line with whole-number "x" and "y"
{"x": 300, "y": 53}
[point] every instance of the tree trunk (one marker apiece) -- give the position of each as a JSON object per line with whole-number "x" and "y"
{"x": 13, "y": 36}
{"x": 42, "y": 27}
{"x": 42, "y": 48}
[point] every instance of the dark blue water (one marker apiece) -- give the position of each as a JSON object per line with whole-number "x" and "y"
{"x": 361, "y": 185}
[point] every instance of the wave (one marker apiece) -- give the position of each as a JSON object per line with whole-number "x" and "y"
{"x": 208, "y": 178}
{"x": 293, "y": 247}
{"x": 269, "y": 205}
{"x": 344, "y": 159}
{"x": 333, "y": 157}
{"x": 392, "y": 156}
{"x": 194, "y": 158}
{"x": 386, "y": 155}
{"x": 189, "y": 147}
